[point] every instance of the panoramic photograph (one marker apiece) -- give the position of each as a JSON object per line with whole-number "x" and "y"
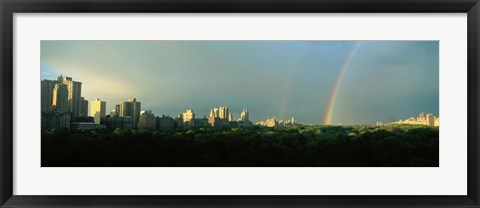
{"x": 239, "y": 103}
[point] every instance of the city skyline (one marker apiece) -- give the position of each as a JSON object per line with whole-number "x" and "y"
{"x": 344, "y": 82}
{"x": 56, "y": 96}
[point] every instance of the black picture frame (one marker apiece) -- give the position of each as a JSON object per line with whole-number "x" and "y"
{"x": 9, "y": 7}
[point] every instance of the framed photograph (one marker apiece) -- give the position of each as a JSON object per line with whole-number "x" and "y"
{"x": 265, "y": 103}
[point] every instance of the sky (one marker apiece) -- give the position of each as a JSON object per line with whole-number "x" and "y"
{"x": 318, "y": 82}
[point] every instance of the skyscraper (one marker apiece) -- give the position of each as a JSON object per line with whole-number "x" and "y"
{"x": 215, "y": 112}
{"x": 47, "y": 94}
{"x": 97, "y": 110}
{"x": 223, "y": 112}
{"x": 60, "y": 98}
{"x": 165, "y": 123}
{"x": 219, "y": 117}
{"x": 421, "y": 118}
{"x": 430, "y": 120}
{"x": 131, "y": 108}
{"x": 188, "y": 118}
{"x": 125, "y": 109}
{"x": 74, "y": 94}
{"x": 244, "y": 116}
{"x": 83, "y": 107}
{"x": 271, "y": 122}
{"x": 116, "y": 111}
{"x": 212, "y": 113}
{"x": 147, "y": 120}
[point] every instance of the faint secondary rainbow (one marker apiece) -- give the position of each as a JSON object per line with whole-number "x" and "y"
{"x": 294, "y": 69}
{"x": 333, "y": 97}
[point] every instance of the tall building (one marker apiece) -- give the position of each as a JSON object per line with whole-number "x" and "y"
{"x": 213, "y": 113}
{"x": 292, "y": 120}
{"x": 147, "y": 120}
{"x": 83, "y": 107}
{"x": 271, "y": 122}
{"x": 216, "y": 122}
{"x": 226, "y": 112}
{"x": 60, "y": 98}
{"x": 47, "y": 94}
{"x": 244, "y": 116}
{"x": 219, "y": 117}
{"x": 244, "y": 119}
{"x": 61, "y": 101}
{"x": 421, "y": 116}
{"x": 188, "y": 118}
{"x": 97, "y": 110}
{"x": 165, "y": 123}
{"x": 230, "y": 117}
{"x": 223, "y": 112}
{"x": 216, "y": 113}
{"x": 131, "y": 108}
{"x": 178, "y": 121}
{"x": 115, "y": 111}
{"x": 430, "y": 120}
{"x": 74, "y": 94}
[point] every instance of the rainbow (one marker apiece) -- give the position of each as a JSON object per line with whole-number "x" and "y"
{"x": 294, "y": 69}
{"x": 346, "y": 64}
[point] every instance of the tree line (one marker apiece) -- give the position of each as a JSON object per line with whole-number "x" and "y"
{"x": 294, "y": 146}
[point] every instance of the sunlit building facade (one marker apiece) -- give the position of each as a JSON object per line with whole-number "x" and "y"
{"x": 223, "y": 112}
{"x": 47, "y": 87}
{"x": 270, "y": 122}
{"x": 60, "y": 102}
{"x": 244, "y": 116}
{"x": 60, "y": 98}
{"x": 131, "y": 108}
{"x": 421, "y": 119}
{"x": 188, "y": 118}
{"x": 97, "y": 110}
{"x": 274, "y": 122}
{"x": 216, "y": 122}
{"x": 219, "y": 117}
{"x": 74, "y": 94}
{"x": 430, "y": 120}
{"x": 230, "y": 117}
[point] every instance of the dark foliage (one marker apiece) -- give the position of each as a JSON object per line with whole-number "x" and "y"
{"x": 302, "y": 146}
